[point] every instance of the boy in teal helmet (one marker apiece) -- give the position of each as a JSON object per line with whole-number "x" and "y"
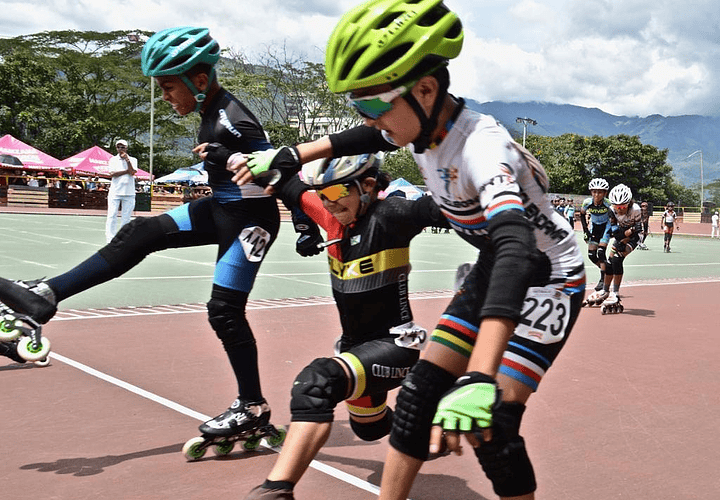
{"x": 242, "y": 221}
{"x": 491, "y": 348}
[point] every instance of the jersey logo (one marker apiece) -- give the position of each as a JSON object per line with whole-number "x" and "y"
{"x": 225, "y": 121}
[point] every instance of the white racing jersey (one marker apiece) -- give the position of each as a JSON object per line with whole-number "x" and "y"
{"x": 631, "y": 218}
{"x": 478, "y": 171}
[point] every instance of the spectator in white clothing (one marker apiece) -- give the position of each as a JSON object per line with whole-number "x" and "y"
{"x": 123, "y": 168}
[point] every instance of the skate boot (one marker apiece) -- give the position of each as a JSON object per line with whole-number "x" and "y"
{"x": 244, "y": 422}
{"x": 642, "y": 246}
{"x": 30, "y": 298}
{"x": 9, "y": 350}
{"x": 612, "y": 305}
{"x": 600, "y": 284}
{"x": 23, "y": 338}
{"x": 595, "y": 299}
{"x": 262, "y": 493}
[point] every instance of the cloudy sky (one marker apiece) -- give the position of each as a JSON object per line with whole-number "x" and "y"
{"x": 626, "y": 57}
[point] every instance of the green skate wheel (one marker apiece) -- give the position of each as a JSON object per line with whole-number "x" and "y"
{"x": 251, "y": 443}
{"x": 223, "y": 448}
{"x": 31, "y": 353}
{"x": 278, "y": 439}
{"x": 192, "y": 449}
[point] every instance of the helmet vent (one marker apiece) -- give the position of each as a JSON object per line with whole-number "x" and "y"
{"x": 388, "y": 59}
{"x": 350, "y": 63}
{"x": 433, "y": 16}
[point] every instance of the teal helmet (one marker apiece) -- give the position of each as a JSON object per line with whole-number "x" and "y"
{"x": 174, "y": 51}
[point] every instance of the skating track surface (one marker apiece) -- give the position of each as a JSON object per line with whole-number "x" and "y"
{"x": 629, "y": 410}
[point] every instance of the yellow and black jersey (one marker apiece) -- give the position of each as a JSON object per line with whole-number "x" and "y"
{"x": 369, "y": 267}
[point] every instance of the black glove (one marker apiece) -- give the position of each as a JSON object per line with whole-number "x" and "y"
{"x": 309, "y": 233}
{"x": 587, "y": 236}
{"x": 217, "y": 156}
{"x": 308, "y": 241}
{"x": 272, "y": 166}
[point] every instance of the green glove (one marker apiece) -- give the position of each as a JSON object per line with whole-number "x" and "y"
{"x": 273, "y": 165}
{"x": 468, "y": 404}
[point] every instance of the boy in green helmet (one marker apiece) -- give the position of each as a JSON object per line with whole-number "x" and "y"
{"x": 516, "y": 307}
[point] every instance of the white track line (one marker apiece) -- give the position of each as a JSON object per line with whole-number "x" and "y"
{"x": 319, "y": 466}
{"x": 324, "y": 468}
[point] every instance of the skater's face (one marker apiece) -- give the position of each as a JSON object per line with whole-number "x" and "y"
{"x": 598, "y": 195}
{"x": 175, "y": 92}
{"x": 343, "y": 200}
{"x": 397, "y": 119}
{"x": 621, "y": 209}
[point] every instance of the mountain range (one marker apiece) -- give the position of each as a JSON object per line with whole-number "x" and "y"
{"x": 680, "y": 135}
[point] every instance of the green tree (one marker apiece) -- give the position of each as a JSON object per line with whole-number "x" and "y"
{"x": 571, "y": 161}
{"x": 70, "y": 90}
{"x": 400, "y": 163}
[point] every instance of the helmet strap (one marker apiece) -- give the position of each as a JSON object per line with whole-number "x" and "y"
{"x": 427, "y": 124}
{"x": 199, "y": 96}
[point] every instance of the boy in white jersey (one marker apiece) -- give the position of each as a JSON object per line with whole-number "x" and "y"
{"x": 391, "y": 57}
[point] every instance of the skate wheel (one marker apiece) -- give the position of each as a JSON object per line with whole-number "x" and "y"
{"x": 223, "y": 448}
{"x": 620, "y": 308}
{"x": 251, "y": 444}
{"x": 277, "y": 439}
{"x": 31, "y": 353}
{"x": 192, "y": 449}
{"x": 603, "y": 309}
{"x": 42, "y": 362}
{"x": 8, "y": 328}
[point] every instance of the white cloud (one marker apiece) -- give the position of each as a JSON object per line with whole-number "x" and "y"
{"x": 633, "y": 57}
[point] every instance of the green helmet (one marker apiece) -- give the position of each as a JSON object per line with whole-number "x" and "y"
{"x": 175, "y": 50}
{"x": 381, "y": 41}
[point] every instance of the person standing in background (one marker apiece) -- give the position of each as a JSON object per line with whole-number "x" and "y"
{"x": 570, "y": 213}
{"x": 715, "y": 225}
{"x": 123, "y": 168}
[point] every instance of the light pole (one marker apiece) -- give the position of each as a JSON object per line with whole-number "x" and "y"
{"x": 702, "y": 183}
{"x": 525, "y": 122}
{"x": 134, "y": 37}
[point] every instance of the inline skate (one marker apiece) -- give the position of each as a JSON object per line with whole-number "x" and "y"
{"x": 596, "y": 298}
{"x": 243, "y": 422}
{"x": 21, "y": 338}
{"x": 612, "y": 304}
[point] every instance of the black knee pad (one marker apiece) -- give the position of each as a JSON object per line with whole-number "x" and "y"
{"x": 136, "y": 240}
{"x": 593, "y": 256}
{"x": 317, "y": 391}
{"x": 504, "y": 458}
{"x": 373, "y": 431}
{"x": 616, "y": 263}
{"x": 415, "y": 408}
{"x": 601, "y": 254}
{"x": 229, "y": 322}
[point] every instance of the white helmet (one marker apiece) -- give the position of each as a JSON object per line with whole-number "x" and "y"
{"x": 598, "y": 183}
{"x": 620, "y": 194}
{"x": 326, "y": 172}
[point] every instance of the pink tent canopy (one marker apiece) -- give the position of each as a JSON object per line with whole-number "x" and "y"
{"x": 32, "y": 159}
{"x": 94, "y": 161}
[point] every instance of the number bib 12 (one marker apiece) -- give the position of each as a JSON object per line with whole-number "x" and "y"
{"x": 544, "y": 315}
